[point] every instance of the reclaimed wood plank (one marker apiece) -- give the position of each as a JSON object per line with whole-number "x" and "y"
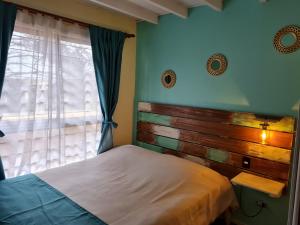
{"x": 220, "y": 138}
{"x": 284, "y": 124}
{"x": 274, "y": 138}
{"x": 241, "y": 147}
{"x": 186, "y": 112}
{"x": 270, "y": 187}
{"x": 155, "y": 118}
{"x": 224, "y": 169}
{"x": 267, "y": 167}
{"x": 193, "y": 149}
{"x": 146, "y": 137}
{"x": 151, "y": 147}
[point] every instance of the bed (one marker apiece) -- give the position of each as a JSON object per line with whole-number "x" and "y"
{"x": 130, "y": 185}
{"x": 186, "y": 185}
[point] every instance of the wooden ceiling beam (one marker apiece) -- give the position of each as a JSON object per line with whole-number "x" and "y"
{"x": 130, "y": 9}
{"x": 171, "y": 7}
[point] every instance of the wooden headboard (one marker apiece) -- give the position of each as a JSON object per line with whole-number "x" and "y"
{"x": 221, "y": 140}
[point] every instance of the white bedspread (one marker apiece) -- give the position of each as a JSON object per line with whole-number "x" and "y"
{"x": 129, "y": 185}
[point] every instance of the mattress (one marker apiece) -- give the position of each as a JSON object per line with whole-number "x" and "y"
{"x": 129, "y": 185}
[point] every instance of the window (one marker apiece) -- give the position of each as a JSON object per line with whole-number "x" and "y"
{"x": 49, "y": 104}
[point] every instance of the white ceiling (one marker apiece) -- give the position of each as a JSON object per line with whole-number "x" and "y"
{"x": 150, "y": 10}
{"x": 160, "y": 11}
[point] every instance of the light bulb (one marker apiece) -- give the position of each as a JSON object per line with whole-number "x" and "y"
{"x": 263, "y": 135}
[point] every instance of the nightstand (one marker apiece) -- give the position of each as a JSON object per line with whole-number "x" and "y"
{"x": 268, "y": 186}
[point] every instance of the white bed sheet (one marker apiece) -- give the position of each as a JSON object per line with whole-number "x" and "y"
{"x": 129, "y": 185}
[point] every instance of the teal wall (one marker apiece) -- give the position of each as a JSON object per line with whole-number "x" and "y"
{"x": 258, "y": 78}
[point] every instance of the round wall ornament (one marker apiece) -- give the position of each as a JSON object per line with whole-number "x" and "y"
{"x": 287, "y": 39}
{"x": 168, "y": 78}
{"x": 216, "y": 64}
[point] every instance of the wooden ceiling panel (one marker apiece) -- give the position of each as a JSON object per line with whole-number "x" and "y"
{"x": 150, "y": 10}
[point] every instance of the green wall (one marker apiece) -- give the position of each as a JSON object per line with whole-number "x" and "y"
{"x": 258, "y": 78}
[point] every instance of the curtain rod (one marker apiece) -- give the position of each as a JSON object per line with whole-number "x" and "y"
{"x": 31, "y": 10}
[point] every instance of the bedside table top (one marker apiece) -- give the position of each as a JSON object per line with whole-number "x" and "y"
{"x": 268, "y": 186}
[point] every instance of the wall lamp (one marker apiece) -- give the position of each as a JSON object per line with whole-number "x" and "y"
{"x": 265, "y": 123}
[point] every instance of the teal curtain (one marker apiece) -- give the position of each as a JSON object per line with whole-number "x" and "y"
{"x": 107, "y": 48}
{"x": 2, "y": 175}
{"x": 8, "y": 13}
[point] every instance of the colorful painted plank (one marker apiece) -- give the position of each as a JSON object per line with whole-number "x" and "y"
{"x": 284, "y": 124}
{"x": 219, "y": 139}
{"x": 269, "y": 168}
{"x": 185, "y": 112}
{"x": 238, "y": 146}
{"x": 274, "y": 138}
{"x": 226, "y": 170}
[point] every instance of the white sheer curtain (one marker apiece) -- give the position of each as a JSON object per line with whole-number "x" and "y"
{"x": 49, "y": 105}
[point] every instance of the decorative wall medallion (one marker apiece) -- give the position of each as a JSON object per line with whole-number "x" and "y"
{"x": 216, "y": 64}
{"x": 287, "y": 39}
{"x": 168, "y": 78}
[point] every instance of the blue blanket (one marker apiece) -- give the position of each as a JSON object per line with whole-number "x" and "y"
{"x": 28, "y": 200}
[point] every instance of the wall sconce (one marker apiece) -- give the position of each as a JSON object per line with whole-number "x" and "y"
{"x": 264, "y": 133}
{"x": 266, "y": 119}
